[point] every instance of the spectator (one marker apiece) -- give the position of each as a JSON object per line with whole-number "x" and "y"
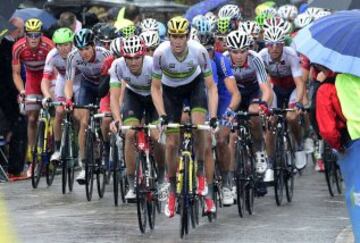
{"x": 8, "y": 99}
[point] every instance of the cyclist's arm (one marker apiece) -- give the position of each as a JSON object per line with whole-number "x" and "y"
{"x": 300, "y": 88}
{"x": 267, "y": 94}
{"x": 45, "y": 87}
{"x": 16, "y": 73}
{"x": 70, "y": 75}
{"x": 298, "y": 77}
{"x": 69, "y": 89}
{"x": 156, "y": 95}
{"x": 115, "y": 94}
{"x": 231, "y": 86}
{"x": 212, "y": 95}
{"x": 263, "y": 79}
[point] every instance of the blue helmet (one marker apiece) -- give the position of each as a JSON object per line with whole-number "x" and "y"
{"x": 162, "y": 31}
{"x": 203, "y": 25}
{"x": 84, "y": 38}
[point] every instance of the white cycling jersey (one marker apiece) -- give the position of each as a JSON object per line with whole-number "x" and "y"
{"x": 141, "y": 84}
{"x": 174, "y": 72}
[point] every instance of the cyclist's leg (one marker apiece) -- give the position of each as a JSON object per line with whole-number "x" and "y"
{"x": 105, "y": 125}
{"x": 32, "y": 113}
{"x": 132, "y": 111}
{"x": 59, "y": 114}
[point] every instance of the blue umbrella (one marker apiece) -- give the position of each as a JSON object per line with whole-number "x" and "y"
{"x": 333, "y": 41}
{"x": 27, "y": 13}
{"x": 203, "y": 7}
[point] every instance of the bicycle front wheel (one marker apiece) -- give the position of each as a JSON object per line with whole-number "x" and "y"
{"x": 100, "y": 168}
{"x": 240, "y": 180}
{"x": 279, "y": 170}
{"x": 37, "y": 162}
{"x": 289, "y": 172}
{"x": 89, "y": 165}
{"x": 141, "y": 197}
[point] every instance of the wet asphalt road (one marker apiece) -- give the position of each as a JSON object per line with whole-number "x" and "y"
{"x": 45, "y": 215}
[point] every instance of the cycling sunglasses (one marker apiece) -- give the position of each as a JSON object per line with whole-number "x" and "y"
{"x": 274, "y": 44}
{"x": 33, "y": 35}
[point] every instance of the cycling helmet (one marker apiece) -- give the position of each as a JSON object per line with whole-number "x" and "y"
{"x": 194, "y": 34}
{"x": 203, "y": 25}
{"x": 150, "y": 38}
{"x": 212, "y": 18}
{"x": 115, "y": 47}
{"x": 162, "y": 31}
{"x": 321, "y": 14}
{"x": 96, "y": 28}
{"x": 313, "y": 11}
{"x": 260, "y": 19}
{"x": 230, "y": 11}
{"x": 107, "y": 33}
{"x": 302, "y": 20}
{"x": 274, "y": 34}
{"x": 270, "y": 11}
{"x": 273, "y": 22}
{"x": 84, "y": 38}
{"x": 206, "y": 38}
{"x": 178, "y": 25}
{"x": 33, "y": 25}
{"x": 149, "y": 24}
{"x": 63, "y": 35}
{"x": 196, "y": 19}
{"x": 237, "y": 40}
{"x": 132, "y": 47}
{"x": 288, "y": 12}
{"x": 288, "y": 27}
{"x": 223, "y": 25}
{"x": 250, "y": 27}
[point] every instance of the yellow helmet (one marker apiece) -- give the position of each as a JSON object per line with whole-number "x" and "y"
{"x": 33, "y": 25}
{"x": 178, "y": 25}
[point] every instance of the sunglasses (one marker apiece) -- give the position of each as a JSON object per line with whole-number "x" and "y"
{"x": 274, "y": 44}
{"x": 33, "y": 35}
{"x": 221, "y": 38}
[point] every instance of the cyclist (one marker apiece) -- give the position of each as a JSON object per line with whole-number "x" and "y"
{"x": 229, "y": 98}
{"x": 181, "y": 68}
{"x": 151, "y": 40}
{"x": 55, "y": 68}
{"x": 252, "y": 80}
{"x": 283, "y": 66}
{"x": 31, "y": 51}
{"x": 88, "y": 60}
{"x": 130, "y": 81}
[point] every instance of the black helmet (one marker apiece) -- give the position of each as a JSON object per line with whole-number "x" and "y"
{"x": 84, "y": 38}
{"x": 96, "y": 28}
{"x": 107, "y": 33}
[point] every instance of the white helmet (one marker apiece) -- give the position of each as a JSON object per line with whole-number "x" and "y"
{"x": 151, "y": 38}
{"x": 194, "y": 34}
{"x": 274, "y": 34}
{"x": 132, "y": 46}
{"x": 212, "y": 18}
{"x": 288, "y": 27}
{"x": 273, "y": 22}
{"x": 288, "y": 12}
{"x": 115, "y": 46}
{"x": 149, "y": 24}
{"x": 270, "y": 11}
{"x": 313, "y": 11}
{"x": 229, "y": 11}
{"x": 238, "y": 40}
{"x": 321, "y": 14}
{"x": 302, "y": 20}
{"x": 250, "y": 27}
{"x": 195, "y": 21}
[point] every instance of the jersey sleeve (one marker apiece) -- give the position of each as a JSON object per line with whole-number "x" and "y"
{"x": 156, "y": 69}
{"x": 259, "y": 66}
{"x": 225, "y": 67}
{"x": 295, "y": 65}
{"x": 71, "y": 67}
{"x": 115, "y": 75}
{"x": 204, "y": 61}
{"x": 49, "y": 67}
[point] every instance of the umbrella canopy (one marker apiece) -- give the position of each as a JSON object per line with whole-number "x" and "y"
{"x": 27, "y": 13}
{"x": 8, "y": 8}
{"x": 203, "y": 7}
{"x": 336, "y": 4}
{"x": 333, "y": 41}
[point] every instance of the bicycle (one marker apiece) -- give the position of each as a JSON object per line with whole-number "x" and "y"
{"x": 187, "y": 198}
{"x": 118, "y": 167}
{"x": 94, "y": 145}
{"x": 44, "y": 146}
{"x": 245, "y": 176}
{"x": 284, "y": 165}
{"x": 218, "y": 196}
{"x": 68, "y": 153}
{"x": 145, "y": 177}
{"x": 332, "y": 171}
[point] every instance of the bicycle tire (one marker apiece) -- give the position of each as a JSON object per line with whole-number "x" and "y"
{"x": 50, "y": 170}
{"x": 64, "y": 155}
{"x": 240, "y": 182}
{"x": 152, "y": 201}
{"x": 279, "y": 170}
{"x": 250, "y": 185}
{"x": 115, "y": 169}
{"x": 100, "y": 169}
{"x": 329, "y": 164}
{"x": 289, "y": 172}
{"x": 37, "y": 162}
{"x": 185, "y": 200}
{"x": 89, "y": 164}
{"x": 141, "y": 202}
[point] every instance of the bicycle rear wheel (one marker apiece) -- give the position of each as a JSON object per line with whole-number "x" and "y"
{"x": 330, "y": 169}
{"x": 100, "y": 169}
{"x": 141, "y": 194}
{"x": 37, "y": 162}
{"x": 90, "y": 163}
{"x": 51, "y": 166}
{"x": 279, "y": 170}
{"x": 240, "y": 180}
{"x": 289, "y": 163}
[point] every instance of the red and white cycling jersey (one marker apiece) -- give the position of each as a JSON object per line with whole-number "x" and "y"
{"x": 34, "y": 61}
